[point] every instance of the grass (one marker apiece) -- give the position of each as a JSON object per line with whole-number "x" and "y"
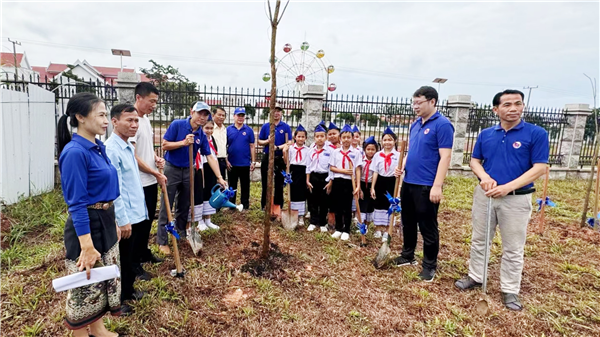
{"x": 320, "y": 286}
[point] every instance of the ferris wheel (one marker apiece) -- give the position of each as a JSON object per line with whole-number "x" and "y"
{"x": 297, "y": 68}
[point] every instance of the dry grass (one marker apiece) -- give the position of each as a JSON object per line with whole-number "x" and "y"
{"x": 316, "y": 286}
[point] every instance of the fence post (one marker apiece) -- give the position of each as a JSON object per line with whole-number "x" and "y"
{"x": 572, "y": 138}
{"x": 459, "y": 106}
{"x": 313, "y": 108}
{"x": 126, "y": 83}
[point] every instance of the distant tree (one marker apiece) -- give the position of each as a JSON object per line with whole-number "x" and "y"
{"x": 344, "y": 118}
{"x": 265, "y": 113}
{"x": 370, "y": 119}
{"x": 177, "y": 92}
{"x": 250, "y": 110}
{"x": 296, "y": 114}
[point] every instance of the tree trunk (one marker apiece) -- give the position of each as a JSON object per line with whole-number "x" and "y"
{"x": 589, "y": 187}
{"x": 270, "y": 178}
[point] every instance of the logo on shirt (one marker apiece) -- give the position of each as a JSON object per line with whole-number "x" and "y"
{"x": 517, "y": 145}
{"x": 280, "y": 131}
{"x": 197, "y": 141}
{"x": 244, "y": 133}
{"x": 426, "y": 131}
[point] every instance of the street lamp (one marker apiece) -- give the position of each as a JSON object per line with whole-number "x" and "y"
{"x": 439, "y": 81}
{"x": 121, "y": 53}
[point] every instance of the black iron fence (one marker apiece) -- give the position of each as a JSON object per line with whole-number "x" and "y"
{"x": 553, "y": 120}
{"x": 587, "y": 146}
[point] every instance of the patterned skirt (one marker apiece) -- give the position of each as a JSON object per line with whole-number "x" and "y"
{"x": 87, "y": 304}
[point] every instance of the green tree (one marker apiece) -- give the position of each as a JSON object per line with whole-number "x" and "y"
{"x": 250, "y": 110}
{"x": 344, "y": 118}
{"x": 265, "y": 113}
{"x": 177, "y": 92}
{"x": 370, "y": 119}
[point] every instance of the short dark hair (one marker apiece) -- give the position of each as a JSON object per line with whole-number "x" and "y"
{"x": 367, "y": 144}
{"x": 219, "y": 108}
{"x": 146, "y": 88}
{"x": 305, "y": 133}
{"x": 498, "y": 96}
{"x": 428, "y": 92}
{"x": 118, "y": 109}
{"x": 80, "y": 104}
{"x": 393, "y": 135}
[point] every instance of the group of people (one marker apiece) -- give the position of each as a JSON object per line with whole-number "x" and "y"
{"x": 111, "y": 188}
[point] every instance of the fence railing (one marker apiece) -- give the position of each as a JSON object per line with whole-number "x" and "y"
{"x": 553, "y": 120}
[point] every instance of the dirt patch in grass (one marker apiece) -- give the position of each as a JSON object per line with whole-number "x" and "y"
{"x": 313, "y": 285}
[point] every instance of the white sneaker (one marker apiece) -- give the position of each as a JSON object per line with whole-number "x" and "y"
{"x": 384, "y": 237}
{"x": 336, "y": 235}
{"x": 201, "y": 226}
{"x": 211, "y": 225}
{"x": 301, "y": 220}
{"x": 377, "y": 234}
{"x": 311, "y": 228}
{"x": 307, "y": 215}
{"x": 345, "y": 236}
{"x": 355, "y": 221}
{"x": 324, "y": 229}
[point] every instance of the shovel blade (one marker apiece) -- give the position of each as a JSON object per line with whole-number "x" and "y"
{"x": 382, "y": 256}
{"x": 195, "y": 241}
{"x": 482, "y": 307}
{"x": 289, "y": 220}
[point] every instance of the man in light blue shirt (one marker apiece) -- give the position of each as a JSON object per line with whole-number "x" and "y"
{"x": 130, "y": 206}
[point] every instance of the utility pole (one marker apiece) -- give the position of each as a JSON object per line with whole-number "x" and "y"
{"x": 529, "y": 95}
{"x": 15, "y": 56}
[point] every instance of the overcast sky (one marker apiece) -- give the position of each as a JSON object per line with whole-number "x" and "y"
{"x": 385, "y": 49}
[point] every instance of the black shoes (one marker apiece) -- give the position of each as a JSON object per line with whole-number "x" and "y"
{"x": 400, "y": 261}
{"x": 141, "y": 274}
{"x": 153, "y": 259}
{"x": 427, "y": 275}
{"x": 466, "y": 283}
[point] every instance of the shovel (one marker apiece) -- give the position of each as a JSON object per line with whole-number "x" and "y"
{"x": 178, "y": 272}
{"x": 362, "y": 226}
{"x": 482, "y": 305}
{"x": 384, "y": 252}
{"x": 289, "y": 218}
{"x": 193, "y": 236}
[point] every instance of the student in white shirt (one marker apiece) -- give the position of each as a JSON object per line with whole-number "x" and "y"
{"x": 356, "y": 145}
{"x": 298, "y": 158}
{"x": 210, "y": 179}
{"x": 383, "y": 166}
{"x": 317, "y": 171}
{"x": 344, "y": 166}
{"x": 370, "y": 147}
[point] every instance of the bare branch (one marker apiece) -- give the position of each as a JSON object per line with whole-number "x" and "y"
{"x": 283, "y": 12}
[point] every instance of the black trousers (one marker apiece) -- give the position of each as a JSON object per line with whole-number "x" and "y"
{"x": 141, "y": 231}
{"x": 264, "y": 169}
{"x": 241, "y": 173}
{"x": 222, "y": 167}
{"x": 316, "y": 199}
{"x": 341, "y": 191}
{"x": 418, "y": 210}
{"x": 126, "y": 253}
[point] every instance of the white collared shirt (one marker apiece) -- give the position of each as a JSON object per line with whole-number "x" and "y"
{"x": 378, "y": 165}
{"x": 220, "y": 136}
{"x": 318, "y": 160}
{"x": 338, "y": 160}
{"x": 367, "y": 173}
{"x": 298, "y": 155}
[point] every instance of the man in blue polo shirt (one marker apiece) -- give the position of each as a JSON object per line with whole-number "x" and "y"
{"x": 179, "y": 136}
{"x": 281, "y": 129}
{"x": 426, "y": 165}
{"x": 507, "y": 159}
{"x": 240, "y": 155}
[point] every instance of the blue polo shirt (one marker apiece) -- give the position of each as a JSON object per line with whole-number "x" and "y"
{"x": 280, "y": 130}
{"x": 506, "y": 155}
{"x": 87, "y": 177}
{"x": 425, "y": 141}
{"x": 238, "y": 145}
{"x": 176, "y": 132}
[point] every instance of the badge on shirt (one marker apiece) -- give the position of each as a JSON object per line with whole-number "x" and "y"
{"x": 426, "y": 131}
{"x": 280, "y": 131}
{"x": 244, "y": 133}
{"x": 517, "y": 145}
{"x": 197, "y": 141}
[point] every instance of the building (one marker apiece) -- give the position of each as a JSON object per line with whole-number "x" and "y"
{"x": 7, "y": 67}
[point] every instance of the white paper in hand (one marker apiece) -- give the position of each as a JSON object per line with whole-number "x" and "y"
{"x": 79, "y": 279}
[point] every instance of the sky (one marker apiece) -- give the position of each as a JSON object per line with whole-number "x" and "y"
{"x": 384, "y": 49}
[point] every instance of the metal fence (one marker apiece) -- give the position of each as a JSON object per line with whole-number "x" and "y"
{"x": 553, "y": 120}
{"x": 587, "y": 146}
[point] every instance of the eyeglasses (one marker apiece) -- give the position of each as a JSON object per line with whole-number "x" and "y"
{"x": 417, "y": 103}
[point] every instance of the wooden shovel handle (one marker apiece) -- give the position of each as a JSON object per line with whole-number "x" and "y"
{"x": 191, "y": 159}
{"x": 402, "y": 146}
{"x": 165, "y": 196}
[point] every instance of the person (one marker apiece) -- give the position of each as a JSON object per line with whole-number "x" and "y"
{"x": 317, "y": 172}
{"x": 370, "y": 147}
{"x": 146, "y": 99}
{"x": 298, "y": 159}
{"x": 344, "y": 165}
{"x": 181, "y": 134}
{"x": 356, "y": 145}
{"x": 210, "y": 179}
{"x": 130, "y": 206}
{"x": 333, "y": 142}
{"x": 90, "y": 185}
{"x": 281, "y": 130}
{"x": 199, "y": 160}
{"x": 383, "y": 166}
{"x": 240, "y": 156}
{"x": 507, "y": 159}
{"x": 220, "y": 139}
{"x": 426, "y": 165}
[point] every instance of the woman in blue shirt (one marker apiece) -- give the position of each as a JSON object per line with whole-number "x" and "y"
{"x": 89, "y": 184}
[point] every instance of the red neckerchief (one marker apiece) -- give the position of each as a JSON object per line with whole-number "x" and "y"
{"x": 212, "y": 147}
{"x": 367, "y": 168}
{"x": 388, "y": 160}
{"x": 333, "y": 146}
{"x": 344, "y": 156}
{"x": 198, "y": 161}
{"x": 317, "y": 152}
{"x": 298, "y": 153}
